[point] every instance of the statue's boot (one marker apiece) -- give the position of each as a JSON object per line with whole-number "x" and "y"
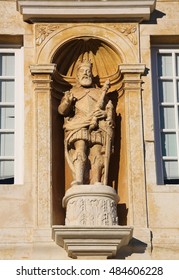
{"x": 79, "y": 166}
{"x": 97, "y": 166}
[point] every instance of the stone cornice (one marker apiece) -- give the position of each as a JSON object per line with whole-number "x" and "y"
{"x": 36, "y": 11}
{"x": 132, "y": 68}
{"x": 42, "y": 68}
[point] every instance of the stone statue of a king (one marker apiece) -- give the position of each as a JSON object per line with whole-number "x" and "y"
{"x": 88, "y": 126}
{"x": 91, "y": 222}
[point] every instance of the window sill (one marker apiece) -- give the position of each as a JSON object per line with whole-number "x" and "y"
{"x": 163, "y": 188}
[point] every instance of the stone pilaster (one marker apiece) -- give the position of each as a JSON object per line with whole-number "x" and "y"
{"x": 42, "y": 91}
{"x": 134, "y": 143}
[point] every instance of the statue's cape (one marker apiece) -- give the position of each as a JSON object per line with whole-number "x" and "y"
{"x": 77, "y": 123}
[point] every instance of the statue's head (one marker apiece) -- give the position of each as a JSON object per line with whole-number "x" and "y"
{"x": 84, "y": 73}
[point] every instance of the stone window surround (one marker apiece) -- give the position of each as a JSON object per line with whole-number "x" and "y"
{"x": 160, "y": 158}
{"x": 35, "y": 11}
{"x": 19, "y": 113}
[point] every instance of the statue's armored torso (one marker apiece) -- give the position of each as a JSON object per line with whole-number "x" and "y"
{"x": 77, "y": 125}
{"x": 86, "y": 99}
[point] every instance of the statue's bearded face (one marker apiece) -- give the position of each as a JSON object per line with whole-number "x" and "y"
{"x": 84, "y": 76}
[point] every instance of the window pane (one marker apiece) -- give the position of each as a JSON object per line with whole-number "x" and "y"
{"x": 166, "y": 92}
{"x": 169, "y": 144}
{"x": 7, "y": 64}
{"x": 7, "y": 144}
{"x": 6, "y": 90}
{"x": 171, "y": 170}
{"x": 6, "y": 117}
{"x": 165, "y": 65}
{"x": 177, "y": 64}
{"x": 6, "y": 169}
{"x": 178, "y": 91}
{"x": 167, "y": 117}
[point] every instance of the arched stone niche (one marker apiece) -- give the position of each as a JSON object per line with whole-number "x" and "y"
{"x": 58, "y": 44}
{"x": 122, "y": 37}
{"x": 105, "y": 62}
{"x": 104, "y": 58}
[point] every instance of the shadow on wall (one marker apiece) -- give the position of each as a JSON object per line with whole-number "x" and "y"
{"x": 122, "y": 212}
{"x": 156, "y": 14}
{"x": 135, "y": 246}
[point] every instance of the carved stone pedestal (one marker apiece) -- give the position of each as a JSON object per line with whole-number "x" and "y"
{"x": 91, "y": 223}
{"x": 91, "y": 205}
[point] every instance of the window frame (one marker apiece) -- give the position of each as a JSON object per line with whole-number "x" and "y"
{"x": 173, "y": 50}
{"x": 18, "y": 112}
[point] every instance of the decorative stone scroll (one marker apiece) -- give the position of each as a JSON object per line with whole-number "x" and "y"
{"x": 44, "y": 30}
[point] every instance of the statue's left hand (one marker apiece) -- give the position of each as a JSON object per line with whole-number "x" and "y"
{"x": 106, "y": 86}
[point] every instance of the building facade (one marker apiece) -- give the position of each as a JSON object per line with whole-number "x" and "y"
{"x": 133, "y": 43}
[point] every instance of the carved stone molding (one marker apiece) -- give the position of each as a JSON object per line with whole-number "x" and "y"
{"x": 35, "y": 11}
{"x": 128, "y": 30}
{"x": 94, "y": 242}
{"x": 53, "y": 40}
{"x": 132, "y": 76}
{"x": 132, "y": 68}
{"x": 44, "y": 30}
{"x": 42, "y": 68}
{"x": 42, "y": 76}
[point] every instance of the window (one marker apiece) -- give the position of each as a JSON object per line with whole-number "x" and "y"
{"x": 11, "y": 116}
{"x": 166, "y": 113}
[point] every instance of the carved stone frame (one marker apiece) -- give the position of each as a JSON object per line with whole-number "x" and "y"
{"x": 131, "y": 69}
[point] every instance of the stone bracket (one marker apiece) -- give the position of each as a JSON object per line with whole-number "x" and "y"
{"x": 98, "y": 242}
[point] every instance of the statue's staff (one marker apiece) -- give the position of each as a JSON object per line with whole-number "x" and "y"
{"x": 99, "y": 106}
{"x": 109, "y": 128}
{"x": 105, "y": 88}
{"x": 109, "y": 136}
